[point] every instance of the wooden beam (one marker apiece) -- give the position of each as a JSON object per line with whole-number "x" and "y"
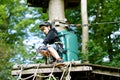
{"x": 75, "y": 67}
{"x": 85, "y": 34}
{"x": 48, "y": 70}
{"x": 42, "y": 65}
{"x": 109, "y": 73}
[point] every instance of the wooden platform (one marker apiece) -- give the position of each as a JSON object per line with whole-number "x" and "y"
{"x": 78, "y": 71}
{"x": 46, "y": 68}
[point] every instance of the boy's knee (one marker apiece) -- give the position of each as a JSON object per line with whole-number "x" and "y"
{"x": 44, "y": 52}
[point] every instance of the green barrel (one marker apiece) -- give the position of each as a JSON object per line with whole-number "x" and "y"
{"x": 70, "y": 44}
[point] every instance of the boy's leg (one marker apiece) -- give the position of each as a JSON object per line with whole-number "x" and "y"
{"x": 54, "y": 53}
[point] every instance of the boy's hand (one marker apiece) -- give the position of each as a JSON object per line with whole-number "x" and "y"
{"x": 44, "y": 52}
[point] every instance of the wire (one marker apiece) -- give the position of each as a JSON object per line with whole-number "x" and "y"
{"x": 106, "y": 22}
{"x": 83, "y": 25}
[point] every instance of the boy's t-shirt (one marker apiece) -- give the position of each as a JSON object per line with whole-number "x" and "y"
{"x": 51, "y": 37}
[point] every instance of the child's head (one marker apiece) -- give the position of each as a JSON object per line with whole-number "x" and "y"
{"x": 45, "y": 27}
{"x": 47, "y": 24}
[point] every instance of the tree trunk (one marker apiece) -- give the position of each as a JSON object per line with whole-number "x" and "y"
{"x": 85, "y": 26}
{"x": 56, "y": 11}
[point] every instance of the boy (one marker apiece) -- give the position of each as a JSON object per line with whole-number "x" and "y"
{"x": 49, "y": 47}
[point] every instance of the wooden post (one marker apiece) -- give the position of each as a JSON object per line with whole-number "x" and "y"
{"x": 56, "y": 11}
{"x": 85, "y": 26}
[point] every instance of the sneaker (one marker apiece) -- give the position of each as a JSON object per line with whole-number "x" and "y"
{"x": 59, "y": 61}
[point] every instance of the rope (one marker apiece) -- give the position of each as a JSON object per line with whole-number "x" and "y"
{"x": 68, "y": 77}
{"x": 34, "y": 75}
{"x": 51, "y": 74}
{"x": 67, "y": 70}
{"x": 36, "y": 72}
{"x": 63, "y": 73}
{"x": 20, "y": 73}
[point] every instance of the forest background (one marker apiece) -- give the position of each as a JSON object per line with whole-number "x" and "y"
{"x": 19, "y": 33}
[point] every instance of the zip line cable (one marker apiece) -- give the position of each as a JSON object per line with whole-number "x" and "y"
{"x": 94, "y": 23}
{"x": 106, "y": 22}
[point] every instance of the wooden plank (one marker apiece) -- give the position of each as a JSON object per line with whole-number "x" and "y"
{"x": 102, "y": 66}
{"x": 42, "y": 65}
{"x": 27, "y": 66}
{"x": 116, "y": 74}
{"x": 76, "y": 67}
{"x": 48, "y": 70}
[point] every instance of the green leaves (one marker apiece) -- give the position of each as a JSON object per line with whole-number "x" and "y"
{"x": 17, "y": 21}
{"x": 96, "y": 53}
{"x": 102, "y": 40}
{"x": 13, "y": 27}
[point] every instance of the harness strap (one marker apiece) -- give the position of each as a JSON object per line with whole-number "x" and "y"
{"x": 60, "y": 47}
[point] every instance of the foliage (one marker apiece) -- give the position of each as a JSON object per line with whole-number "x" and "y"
{"x": 96, "y": 53}
{"x": 103, "y": 39}
{"x": 18, "y": 22}
{"x": 101, "y": 34}
{"x": 5, "y": 48}
{"x": 15, "y": 19}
